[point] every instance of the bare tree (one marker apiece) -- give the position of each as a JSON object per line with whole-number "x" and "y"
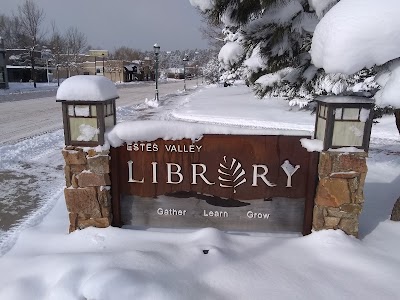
{"x": 10, "y": 30}
{"x": 126, "y": 53}
{"x": 31, "y": 18}
{"x": 57, "y": 44}
{"x": 76, "y": 42}
{"x": 212, "y": 32}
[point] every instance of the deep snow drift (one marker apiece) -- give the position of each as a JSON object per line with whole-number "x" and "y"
{"x": 47, "y": 263}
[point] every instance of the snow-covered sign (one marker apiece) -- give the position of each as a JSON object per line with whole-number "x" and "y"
{"x": 231, "y": 182}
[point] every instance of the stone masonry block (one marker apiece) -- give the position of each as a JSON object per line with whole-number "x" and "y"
{"x": 67, "y": 175}
{"x": 331, "y": 222}
{"x": 396, "y": 211}
{"x": 86, "y": 179}
{"x": 104, "y": 196}
{"x": 76, "y": 169}
{"x": 332, "y": 192}
{"x": 350, "y": 162}
{"x": 318, "y": 218}
{"x": 99, "y": 164}
{"x": 74, "y": 157}
{"x": 82, "y": 201}
{"x": 350, "y": 226}
{"x": 95, "y": 222}
{"x": 325, "y": 164}
{"x": 73, "y": 222}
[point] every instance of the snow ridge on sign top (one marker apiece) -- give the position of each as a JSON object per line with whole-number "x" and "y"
{"x": 87, "y": 88}
{"x": 151, "y": 130}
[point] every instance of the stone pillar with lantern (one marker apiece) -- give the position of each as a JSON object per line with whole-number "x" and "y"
{"x": 343, "y": 125}
{"x": 88, "y": 107}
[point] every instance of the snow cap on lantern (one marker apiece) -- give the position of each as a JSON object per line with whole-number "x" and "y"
{"x": 344, "y": 121}
{"x": 88, "y": 106}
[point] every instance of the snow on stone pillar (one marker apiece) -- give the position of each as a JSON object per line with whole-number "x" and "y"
{"x": 343, "y": 128}
{"x": 88, "y": 105}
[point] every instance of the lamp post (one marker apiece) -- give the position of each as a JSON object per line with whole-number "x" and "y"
{"x": 185, "y": 59}
{"x": 103, "y": 62}
{"x": 156, "y": 52}
{"x": 58, "y": 75}
{"x": 197, "y": 75}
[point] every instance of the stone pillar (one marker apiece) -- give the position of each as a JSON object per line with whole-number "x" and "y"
{"x": 339, "y": 198}
{"x": 395, "y": 216}
{"x": 87, "y": 192}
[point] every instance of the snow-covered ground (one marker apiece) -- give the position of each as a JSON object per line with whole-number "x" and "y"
{"x": 42, "y": 261}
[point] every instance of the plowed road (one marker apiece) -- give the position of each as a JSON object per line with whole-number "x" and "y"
{"x": 20, "y": 119}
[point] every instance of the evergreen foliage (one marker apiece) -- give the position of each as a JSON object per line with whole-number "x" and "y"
{"x": 275, "y": 37}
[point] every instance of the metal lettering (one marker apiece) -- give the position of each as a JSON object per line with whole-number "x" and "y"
{"x": 130, "y": 173}
{"x": 195, "y": 174}
{"x": 289, "y": 170}
{"x": 177, "y": 172}
{"x": 262, "y": 176}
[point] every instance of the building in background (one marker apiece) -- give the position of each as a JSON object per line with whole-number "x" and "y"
{"x": 95, "y": 62}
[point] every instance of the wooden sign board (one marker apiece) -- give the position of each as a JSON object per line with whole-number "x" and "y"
{"x": 230, "y": 182}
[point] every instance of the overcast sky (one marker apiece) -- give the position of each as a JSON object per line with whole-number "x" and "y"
{"x": 109, "y": 24}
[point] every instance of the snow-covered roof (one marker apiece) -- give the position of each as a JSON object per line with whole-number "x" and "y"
{"x": 87, "y": 88}
{"x": 131, "y": 66}
{"x": 344, "y": 99}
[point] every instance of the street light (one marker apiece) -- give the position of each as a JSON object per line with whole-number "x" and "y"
{"x": 103, "y": 62}
{"x": 197, "y": 75}
{"x": 185, "y": 59}
{"x": 156, "y": 52}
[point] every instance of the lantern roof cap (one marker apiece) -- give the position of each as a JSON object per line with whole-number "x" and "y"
{"x": 87, "y": 88}
{"x": 345, "y": 99}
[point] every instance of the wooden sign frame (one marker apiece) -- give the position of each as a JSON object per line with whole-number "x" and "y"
{"x": 274, "y": 166}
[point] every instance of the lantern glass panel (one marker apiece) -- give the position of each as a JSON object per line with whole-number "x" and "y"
{"x": 93, "y": 110}
{"x": 82, "y": 110}
{"x": 322, "y": 111}
{"x": 321, "y": 125}
{"x": 338, "y": 113}
{"x": 348, "y": 133}
{"x": 109, "y": 122}
{"x": 351, "y": 113}
{"x": 83, "y": 133}
{"x": 71, "y": 110}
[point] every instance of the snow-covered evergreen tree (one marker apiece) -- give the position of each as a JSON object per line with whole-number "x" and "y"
{"x": 267, "y": 41}
{"x": 212, "y": 71}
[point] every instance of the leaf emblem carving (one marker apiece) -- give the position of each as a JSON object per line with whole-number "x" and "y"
{"x": 231, "y": 174}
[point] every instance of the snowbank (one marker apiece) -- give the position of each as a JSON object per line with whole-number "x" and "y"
{"x": 87, "y": 88}
{"x": 46, "y": 263}
{"x": 355, "y": 34}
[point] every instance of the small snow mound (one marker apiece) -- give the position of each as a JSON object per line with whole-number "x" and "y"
{"x": 87, "y": 88}
{"x": 151, "y": 102}
{"x": 312, "y": 145}
{"x": 87, "y": 132}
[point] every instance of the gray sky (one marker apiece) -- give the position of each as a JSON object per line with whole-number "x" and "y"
{"x": 108, "y": 24}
